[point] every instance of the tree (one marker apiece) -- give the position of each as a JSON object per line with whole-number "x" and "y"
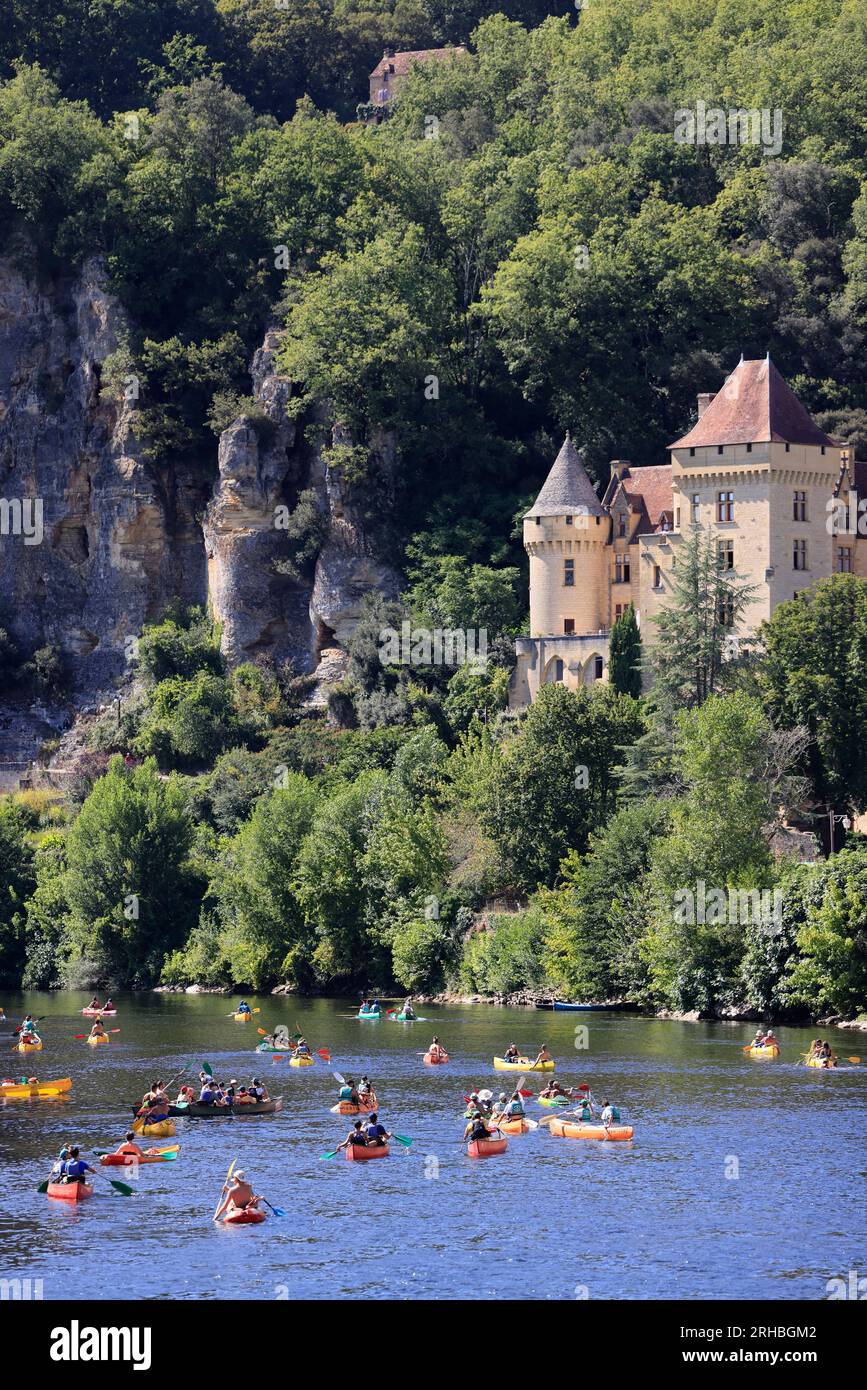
{"x": 829, "y": 972}
{"x": 814, "y": 673}
{"x": 624, "y": 661}
{"x": 16, "y": 883}
{"x": 693, "y": 644}
{"x": 131, "y": 892}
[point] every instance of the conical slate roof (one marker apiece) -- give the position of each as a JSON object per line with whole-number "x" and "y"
{"x": 755, "y": 406}
{"x": 567, "y": 488}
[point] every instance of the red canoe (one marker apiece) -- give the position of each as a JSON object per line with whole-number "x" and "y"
{"x": 70, "y": 1191}
{"x": 358, "y": 1151}
{"x": 430, "y": 1061}
{"x": 484, "y": 1148}
{"x": 246, "y": 1216}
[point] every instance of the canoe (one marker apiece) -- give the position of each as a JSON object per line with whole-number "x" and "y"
{"x": 764, "y": 1051}
{"x": 513, "y": 1126}
{"x": 244, "y": 1216}
{"x": 554, "y": 1101}
{"x": 485, "y": 1148}
{"x": 401, "y": 1018}
{"x": 213, "y": 1112}
{"x": 70, "y": 1191}
{"x": 302, "y": 1061}
{"x": 821, "y": 1063}
{"x": 436, "y": 1061}
{"x": 128, "y": 1160}
{"x": 242, "y": 1018}
{"x": 95, "y": 1041}
{"x": 346, "y": 1107}
{"x": 23, "y": 1091}
{"x": 578, "y": 1130}
{"x": 359, "y": 1151}
{"x": 29, "y": 1046}
{"x": 376, "y": 1014}
{"x": 99, "y": 1013}
{"x": 522, "y": 1064}
{"x": 584, "y": 1008}
{"x": 163, "y": 1129}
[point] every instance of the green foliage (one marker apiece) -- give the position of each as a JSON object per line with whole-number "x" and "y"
{"x": 829, "y": 973}
{"x": 132, "y": 896}
{"x": 507, "y": 955}
{"x": 181, "y": 645}
{"x": 16, "y": 881}
{"x": 624, "y": 661}
{"x": 189, "y": 722}
{"x": 46, "y": 936}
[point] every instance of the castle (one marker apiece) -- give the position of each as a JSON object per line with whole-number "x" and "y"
{"x": 755, "y": 469}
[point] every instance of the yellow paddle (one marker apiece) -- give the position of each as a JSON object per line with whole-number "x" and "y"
{"x": 225, "y": 1185}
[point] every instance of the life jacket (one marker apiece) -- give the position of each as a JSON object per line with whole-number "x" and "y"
{"x": 345, "y": 1093}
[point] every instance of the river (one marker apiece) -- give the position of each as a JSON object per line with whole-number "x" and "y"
{"x": 746, "y": 1178}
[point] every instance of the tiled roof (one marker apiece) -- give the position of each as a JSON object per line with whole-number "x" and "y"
{"x": 755, "y": 406}
{"x": 650, "y": 490}
{"x": 567, "y": 487}
{"x": 399, "y": 64}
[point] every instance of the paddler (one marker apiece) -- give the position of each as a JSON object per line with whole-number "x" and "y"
{"x": 544, "y": 1056}
{"x": 28, "y": 1027}
{"x": 500, "y": 1105}
{"x": 74, "y": 1169}
{"x": 515, "y": 1108}
{"x": 511, "y": 1054}
{"x": 239, "y": 1197}
{"x": 94, "y": 1003}
{"x": 365, "y": 1089}
{"x": 553, "y": 1090}
{"x": 610, "y": 1114}
{"x": 356, "y": 1136}
{"x": 257, "y": 1091}
{"x": 108, "y": 1006}
{"x": 243, "y": 1007}
{"x": 477, "y": 1128}
{"x": 97, "y": 1031}
{"x": 129, "y": 1147}
{"x": 436, "y": 1048}
{"x": 186, "y": 1096}
{"x": 407, "y": 1010}
{"x": 348, "y": 1093}
{"x": 377, "y": 1135}
{"x": 302, "y": 1048}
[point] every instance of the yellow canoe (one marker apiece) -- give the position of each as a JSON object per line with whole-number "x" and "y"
{"x": 24, "y": 1090}
{"x": 165, "y": 1129}
{"x": 764, "y": 1052}
{"x": 513, "y": 1126}
{"x": 30, "y": 1046}
{"x": 302, "y": 1061}
{"x": 821, "y": 1063}
{"x": 95, "y": 1039}
{"x": 522, "y": 1064}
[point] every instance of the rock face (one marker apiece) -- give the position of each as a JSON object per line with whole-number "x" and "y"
{"x": 95, "y": 539}
{"x": 117, "y": 539}
{"x": 264, "y": 611}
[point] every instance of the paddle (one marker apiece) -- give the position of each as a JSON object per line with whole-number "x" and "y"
{"x": 278, "y": 1211}
{"x": 235, "y": 1011}
{"x": 120, "y": 1187}
{"x": 402, "y": 1139}
{"x": 333, "y": 1154}
{"x": 225, "y": 1185}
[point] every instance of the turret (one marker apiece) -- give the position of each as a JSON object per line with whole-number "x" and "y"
{"x": 565, "y": 534}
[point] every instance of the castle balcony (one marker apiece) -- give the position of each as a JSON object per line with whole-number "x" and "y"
{"x": 571, "y": 659}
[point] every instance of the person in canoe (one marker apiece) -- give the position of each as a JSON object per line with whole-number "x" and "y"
{"x": 356, "y": 1136}
{"x": 407, "y": 1010}
{"x": 74, "y": 1168}
{"x": 436, "y": 1048}
{"x": 377, "y": 1135}
{"x": 257, "y": 1091}
{"x": 511, "y": 1054}
{"x": 186, "y": 1096}
{"x": 477, "y": 1128}
{"x": 94, "y": 1003}
{"x": 473, "y": 1104}
{"x": 302, "y": 1048}
{"x": 499, "y": 1106}
{"x": 98, "y": 1031}
{"x": 544, "y": 1056}
{"x": 129, "y": 1147}
{"x": 515, "y": 1108}
{"x": 243, "y": 1008}
{"x": 348, "y": 1092}
{"x": 28, "y": 1027}
{"x": 365, "y": 1089}
{"x": 610, "y": 1114}
{"x": 240, "y": 1196}
{"x": 108, "y": 1006}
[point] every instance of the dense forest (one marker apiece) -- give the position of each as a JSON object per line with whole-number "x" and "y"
{"x": 525, "y": 232}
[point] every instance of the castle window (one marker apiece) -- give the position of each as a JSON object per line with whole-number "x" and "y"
{"x": 569, "y": 573}
{"x": 788, "y": 448}
{"x": 618, "y": 610}
{"x": 677, "y": 517}
{"x": 598, "y": 668}
{"x": 725, "y": 506}
{"x": 622, "y": 572}
{"x": 799, "y": 506}
{"x": 725, "y": 554}
{"x": 657, "y": 577}
{"x": 568, "y": 626}
{"x": 799, "y": 554}
{"x": 696, "y": 508}
{"x": 692, "y": 453}
{"x": 558, "y": 670}
{"x": 568, "y": 521}
{"x": 823, "y": 448}
{"x": 621, "y": 524}
{"x": 749, "y": 448}
{"x": 538, "y": 521}
{"x": 719, "y": 448}
{"x": 844, "y": 560}
{"x": 726, "y": 611}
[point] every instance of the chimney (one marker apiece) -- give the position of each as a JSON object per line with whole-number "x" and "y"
{"x": 704, "y": 400}
{"x": 388, "y": 53}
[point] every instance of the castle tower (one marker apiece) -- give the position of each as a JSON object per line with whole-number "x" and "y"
{"x": 566, "y": 532}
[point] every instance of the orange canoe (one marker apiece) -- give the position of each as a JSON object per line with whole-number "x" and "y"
{"x": 565, "y": 1130}
{"x": 435, "y": 1060}
{"x": 358, "y": 1151}
{"x": 485, "y": 1148}
{"x": 513, "y": 1126}
{"x": 70, "y": 1191}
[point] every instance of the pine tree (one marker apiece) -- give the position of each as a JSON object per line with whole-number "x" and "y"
{"x": 624, "y": 662}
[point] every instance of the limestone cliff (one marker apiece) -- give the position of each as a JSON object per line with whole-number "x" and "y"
{"x": 121, "y": 537}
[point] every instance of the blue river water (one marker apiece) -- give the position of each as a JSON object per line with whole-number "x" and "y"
{"x": 745, "y": 1179}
